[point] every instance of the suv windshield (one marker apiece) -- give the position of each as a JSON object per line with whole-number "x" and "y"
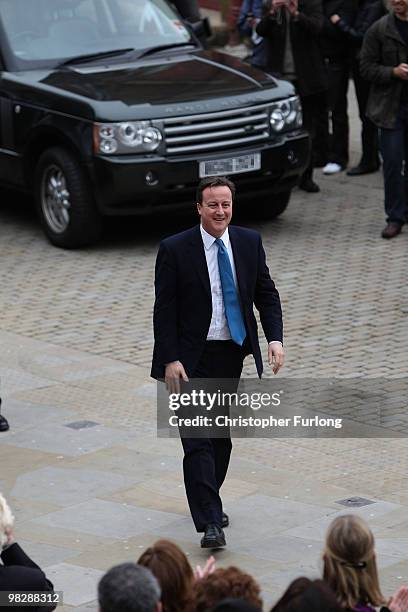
{"x": 43, "y": 33}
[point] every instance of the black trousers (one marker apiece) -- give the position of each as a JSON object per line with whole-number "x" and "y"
{"x": 369, "y": 131}
{"x": 333, "y": 140}
{"x": 313, "y": 107}
{"x": 206, "y": 460}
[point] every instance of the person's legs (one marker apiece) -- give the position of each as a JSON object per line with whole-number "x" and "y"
{"x": 369, "y": 132}
{"x": 393, "y": 149}
{"x": 338, "y": 86}
{"x": 312, "y": 108}
{"x": 206, "y": 460}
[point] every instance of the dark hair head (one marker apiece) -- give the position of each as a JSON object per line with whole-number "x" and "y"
{"x": 128, "y": 588}
{"x": 235, "y": 605}
{"x": 304, "y": 595}
{"x": 223, "y": 583}
{"x": 214, "y": 181}
{"x": 173, "y": 571}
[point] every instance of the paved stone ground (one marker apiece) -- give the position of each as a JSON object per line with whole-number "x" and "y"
{"x": 76, "y": 340}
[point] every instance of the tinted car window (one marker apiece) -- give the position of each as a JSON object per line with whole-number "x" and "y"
{"x": 56, "y": 29}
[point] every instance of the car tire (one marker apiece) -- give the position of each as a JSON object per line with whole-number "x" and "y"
{"x": 270, "y": 209}
{"x": 64, "y": 201}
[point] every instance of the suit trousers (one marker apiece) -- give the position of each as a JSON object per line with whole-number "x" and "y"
{"x": 206, "y": 460}
{"x": 394, "y": 149}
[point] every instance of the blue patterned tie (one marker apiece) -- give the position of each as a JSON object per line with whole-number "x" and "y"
{"x": 231, "y": 303}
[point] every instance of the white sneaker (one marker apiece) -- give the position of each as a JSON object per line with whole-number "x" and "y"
{"x": 332, "y": 168}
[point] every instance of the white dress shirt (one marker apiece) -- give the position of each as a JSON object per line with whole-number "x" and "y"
{"x": 218, "y": 329}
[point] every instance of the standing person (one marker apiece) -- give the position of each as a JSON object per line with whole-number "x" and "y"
{"x": 207, "y": 280}
{"x": 249, "y": 17}
{"x": 384, "y": 62}
{"x": 291, "y": 29}
{"x": 368, "y": 12}
{"x": 335, "y": 49}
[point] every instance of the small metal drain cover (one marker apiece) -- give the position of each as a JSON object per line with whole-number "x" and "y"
{"x": 81, "y": 424}
{"x": 355, "y": 502}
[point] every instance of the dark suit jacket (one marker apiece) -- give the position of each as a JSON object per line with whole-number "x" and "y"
{"x": 183, "y": 306}
{"x": 20, "y": 573}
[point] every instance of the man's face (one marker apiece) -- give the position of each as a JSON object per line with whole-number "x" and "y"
{"x": 216, "y": 209}
{"x": 400, "y": 7}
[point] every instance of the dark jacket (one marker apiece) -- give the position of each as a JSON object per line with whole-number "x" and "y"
{"x": 383, "y": 49}
{"x": 304, "y": 32}
{"x": 183, "y": 305}
{"x": 20, "y": 573}
{"x": 333, "y": 41}
{"x": 368, "y": 12}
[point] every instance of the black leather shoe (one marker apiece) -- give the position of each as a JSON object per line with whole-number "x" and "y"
{"x": 224, "y": 520}
{"x": 362, "y": 169}
{"x": 4, "y": 426}
{"x": 391, "y": 230}
{"x": 309, "y": 186}
{"x": 213, "y": 537}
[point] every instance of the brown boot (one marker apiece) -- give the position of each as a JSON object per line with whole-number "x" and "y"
{"x": 391, "y": 230}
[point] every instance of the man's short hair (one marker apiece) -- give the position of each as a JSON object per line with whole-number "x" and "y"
{"x": 214, "y": 181}
{"x": 128, "y": 588}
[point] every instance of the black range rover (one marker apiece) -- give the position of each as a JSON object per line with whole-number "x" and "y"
{"x": 112, "y": 107}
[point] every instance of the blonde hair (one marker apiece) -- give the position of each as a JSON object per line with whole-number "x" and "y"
{"x": 6, "y": 520}
{"x": 350, "y": 567}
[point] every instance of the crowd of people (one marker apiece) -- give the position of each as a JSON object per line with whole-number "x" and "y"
{"x": 162, "y": 579}
{"x": 318, "y": 45}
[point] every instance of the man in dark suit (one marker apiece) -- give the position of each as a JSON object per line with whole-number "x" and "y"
{"x": 20, "y": 573}
{"x": 207, "y": 280}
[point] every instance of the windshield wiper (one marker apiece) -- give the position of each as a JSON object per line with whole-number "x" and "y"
{"x": 88, "y": 57}
{"x": 153, "y": 50}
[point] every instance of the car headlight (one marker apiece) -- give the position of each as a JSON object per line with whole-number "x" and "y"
{"x": 126, "y": 137}
{"x": 286, "y": 114}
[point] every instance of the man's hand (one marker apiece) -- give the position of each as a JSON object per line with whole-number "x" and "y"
{"x": 335, "y": 19}
{"x": 173, "y": 372}
{"x": 276, "y": 356}
{"x": 399, "y": 601}
{"x": 278, "y": 4}
{"x": 293, "y": 8}
{"x": 401, "y": 72}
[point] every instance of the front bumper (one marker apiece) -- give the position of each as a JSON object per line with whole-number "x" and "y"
{"x": 119, "y": 183}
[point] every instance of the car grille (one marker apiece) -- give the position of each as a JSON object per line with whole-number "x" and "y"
{"x": 216, "y": 131}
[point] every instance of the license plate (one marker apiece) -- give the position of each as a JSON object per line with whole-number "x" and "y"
{"x": 230, "y": 165}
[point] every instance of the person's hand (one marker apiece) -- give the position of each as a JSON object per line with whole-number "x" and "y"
{"x": 401, "y": 72}
{"x": 293, "y": 7}
{"x": 203, "y": 572}
{"x": 276, "y": 356}
{"x": 173, "y": 372}
{"x": 399, "y": 601}
{"x": 335, "y": 19}
{"x": 10, "y": 536}
{"x": 278, "y": 4}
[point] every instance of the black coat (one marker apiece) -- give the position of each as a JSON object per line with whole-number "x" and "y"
{"x": 334, "y": 42}
{"x": 20, "y": 573}
{"x": 368, "y": 12}
{"x": 304, "y": 35}
{"x": 183, "y": 306}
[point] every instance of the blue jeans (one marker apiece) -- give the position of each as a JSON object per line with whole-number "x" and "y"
{"x": 394, "y": 150}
